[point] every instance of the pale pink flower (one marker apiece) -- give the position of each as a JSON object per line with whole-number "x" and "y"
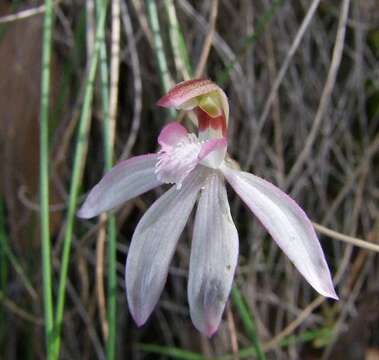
{"x": 198, "y": 167}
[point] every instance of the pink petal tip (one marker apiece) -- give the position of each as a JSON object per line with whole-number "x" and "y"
{"x": 211, "y": 330}
{"x": 171, "y": 134}
{"x": 139, "y": 319}
{"x": 139, "y": 322}
{"x": 212, "y": 145}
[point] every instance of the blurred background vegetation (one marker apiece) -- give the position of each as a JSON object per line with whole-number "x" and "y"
{"x": 78, "y": 86}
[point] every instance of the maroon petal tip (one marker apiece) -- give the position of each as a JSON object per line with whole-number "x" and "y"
{"x": 185, "y": 91}
{"x": 164, "y": 101}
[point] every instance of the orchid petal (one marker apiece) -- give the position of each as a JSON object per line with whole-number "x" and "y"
{"x": 153, "y": 245}
{"x": 212, "y": 152}
{"x": 210, "y": 146}
{"x": 182, "y": 95}
{"x": 214, "y": 256}
{"x": 172, "y": 134}
{"x": 287, "y": 224}
{"x": 125, "y": 181}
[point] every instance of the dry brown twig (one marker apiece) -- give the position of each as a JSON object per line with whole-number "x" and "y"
{"x": 24, "y": 14}
{"x": 113, "y": 103}
{"x": 18, "y": 311}
{"x": 348, "y": 239}
{"x": 283, "y": 70}
{"x": 100, "y": 292}
{"x": 289, "y": 329}
{"x": 232, "y": 332}
{"x": 326, "y": 93}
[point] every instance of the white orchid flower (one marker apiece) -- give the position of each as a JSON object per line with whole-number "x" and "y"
{"x": 198, "y": 167}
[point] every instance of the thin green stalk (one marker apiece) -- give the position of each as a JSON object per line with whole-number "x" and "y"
{"x": 44, "y": 178}
{"x": 111, "y": 223}
{"x": 248, "y": 322}
{"x": 177, "y": 39}
{"x": 307, "y": 336}
{"x": 177, "y": 42}
{"x": 77, "y": 173}
{"x": 152, "y": 13}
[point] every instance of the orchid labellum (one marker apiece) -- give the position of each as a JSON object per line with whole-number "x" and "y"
{"x": 197, "y": 166}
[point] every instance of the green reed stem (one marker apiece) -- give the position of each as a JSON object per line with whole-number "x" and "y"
{"x": 77, "y": 172}
{"x": 248, "y": 322}
{"x": 166, "y": 80}
{"x": 44, "y": 178}
{"x": 111, "y": 222}
{"x": 177, "y": 42}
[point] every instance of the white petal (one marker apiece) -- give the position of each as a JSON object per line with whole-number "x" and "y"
{"x": 214, "y": 256}
{"x": 213, "y": 152}
{"x": 125, "y": 181}
{"x": 288, "y": 225}
{"x": 176, "y": 162}
{"x": 153, "y": 245}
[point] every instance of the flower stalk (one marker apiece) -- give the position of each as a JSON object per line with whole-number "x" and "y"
{"x": 44, "y": 179}
{"x": 77, "y": 173}
{"x": 198, "y": 168}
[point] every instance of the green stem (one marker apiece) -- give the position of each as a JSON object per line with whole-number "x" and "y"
{"x": 77, "y": 173}
{"x": 177, "y": 42}
{"x": 152, "y": 13}
{"x": 248, "y": 322}
{"x": 111, "y": 224}
{"x": 44, "y": 178}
